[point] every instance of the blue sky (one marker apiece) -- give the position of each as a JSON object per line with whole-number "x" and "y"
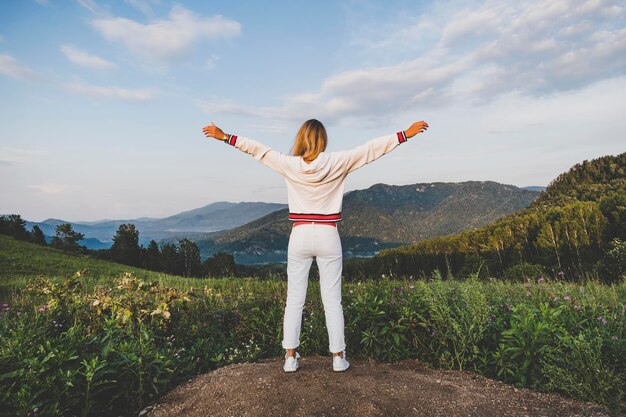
{"x": 102, "y": 103}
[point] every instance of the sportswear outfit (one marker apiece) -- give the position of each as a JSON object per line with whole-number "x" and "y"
{"x": 315, "y": 196}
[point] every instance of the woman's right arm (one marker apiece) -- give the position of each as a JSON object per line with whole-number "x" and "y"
{"x": 264, "y": 154}
{"x": 375, "y": 148}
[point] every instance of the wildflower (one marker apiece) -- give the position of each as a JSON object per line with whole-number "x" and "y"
{"x": 566, "y": 297}
{"x": 527, "y": 293}
{"x": 555, "y": 298}
{"x": 36, "y": 410}
{"x": 614, "y": 337}
{"x": 602, "y": 320}
{"x": 577, "y": 307}
{"x": 540, "y": 280}
{"x": 5, "y": 306}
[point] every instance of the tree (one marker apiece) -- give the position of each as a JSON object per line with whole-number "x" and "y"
{"x": 152, "y": 258}
{"x": 190, "y": 256}
{"x": 548, "y": 237}
{"x": 613, "y": 264}
{"x": 125, "y": 248}
{"x": 613, "y": 206}
{"x": 37, "y": 236}
{"x": 66, "y": 238}
{"x": 14, "y": 225}
{"x": 220, "y": 264}
{"x": 171, "y": 260}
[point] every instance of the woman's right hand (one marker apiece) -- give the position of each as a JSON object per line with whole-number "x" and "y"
{"x": 417, "y": 127}
{"x": 214, "y": 132}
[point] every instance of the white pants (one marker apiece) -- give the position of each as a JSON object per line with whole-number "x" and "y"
{"x": 322, "y": 242}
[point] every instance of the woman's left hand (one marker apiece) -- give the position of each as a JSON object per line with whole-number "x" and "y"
{"x": 415, "y": 128}
{"x": 213, "y": 131}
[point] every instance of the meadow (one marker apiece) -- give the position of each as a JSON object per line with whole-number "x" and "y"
{"x": 107, "y": 339}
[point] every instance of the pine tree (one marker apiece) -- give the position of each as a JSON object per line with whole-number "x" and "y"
{"x": 190, "y": 255}
{"x": 125, "y": 248}
{"x": 37, "y": 236}
{"x": 66, "y": 238}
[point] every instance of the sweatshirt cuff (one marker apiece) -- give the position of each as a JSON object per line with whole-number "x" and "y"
{"x": 401, "y": 136}
{"x": 232, "y": 140}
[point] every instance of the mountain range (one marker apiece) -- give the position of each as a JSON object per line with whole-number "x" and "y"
{"x": 382, "y": 216}
{"x": 379, "y": 217}
{"x": 215, "y": 216}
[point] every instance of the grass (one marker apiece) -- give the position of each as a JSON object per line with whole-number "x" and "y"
{"x": 21, "y": 261}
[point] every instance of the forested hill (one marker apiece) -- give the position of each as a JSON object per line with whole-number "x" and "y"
{"x": 587, "y": 181}
{"x": 577, "y": 227}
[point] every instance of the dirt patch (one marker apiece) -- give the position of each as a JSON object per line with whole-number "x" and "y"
{"x": 367, "y": 388}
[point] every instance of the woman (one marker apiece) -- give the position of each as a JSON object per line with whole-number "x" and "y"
{"x": 315, "y": 185}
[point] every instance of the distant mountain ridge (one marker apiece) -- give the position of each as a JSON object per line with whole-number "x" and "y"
{"x": 382, "y": 216}
{"x": 216, "y": 216}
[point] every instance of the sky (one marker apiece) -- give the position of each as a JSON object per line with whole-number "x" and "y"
{"x": 102, "y": 103}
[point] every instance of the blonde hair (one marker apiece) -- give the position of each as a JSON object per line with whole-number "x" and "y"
{"x": 311, "y": 140}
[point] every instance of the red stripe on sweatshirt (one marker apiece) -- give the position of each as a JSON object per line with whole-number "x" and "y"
{"x": 306, "y": 216}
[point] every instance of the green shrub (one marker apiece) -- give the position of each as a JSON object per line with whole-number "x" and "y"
{"x": 524, "y": 271}
{"x": 533, "y": 334}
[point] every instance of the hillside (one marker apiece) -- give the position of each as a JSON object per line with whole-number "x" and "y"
{"x": 586, "y": 181}
{"x": 21, "y": 261}
{"x": 382, "y": 216}
{"x": 570, "y": 230}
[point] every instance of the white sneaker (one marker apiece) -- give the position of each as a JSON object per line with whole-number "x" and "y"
{"x": 340, "y": 363}
{"x": 291, "y": 363}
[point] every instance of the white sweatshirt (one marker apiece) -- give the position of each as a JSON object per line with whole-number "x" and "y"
{"x": 315, "y": 190}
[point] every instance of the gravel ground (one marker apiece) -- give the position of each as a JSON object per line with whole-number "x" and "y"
{"x": 367, "y": 388}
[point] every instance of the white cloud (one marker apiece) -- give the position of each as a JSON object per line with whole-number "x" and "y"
{"x": 42, "y": 2}
{"x": 11, "y": 67}
{"x": 91, "y": 5}
{"x": 475, "y": 56}
{"x": 85, "y": 59}
{"x": 145, "y": 94}
{"x": 217, "y": 107}
{"x": 1, "y": 38}
{"x": 166, "y": 40}
{"x": 144, "y": 6}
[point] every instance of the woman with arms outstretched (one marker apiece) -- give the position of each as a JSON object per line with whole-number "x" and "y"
{"x": 315, "y": 186}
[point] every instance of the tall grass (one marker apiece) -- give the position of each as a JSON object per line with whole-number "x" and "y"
{"x": 109, "y": 346}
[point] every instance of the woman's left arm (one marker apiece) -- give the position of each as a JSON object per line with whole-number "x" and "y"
{"x": 353, "y": 159}
{"x": 262, "y": 153}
